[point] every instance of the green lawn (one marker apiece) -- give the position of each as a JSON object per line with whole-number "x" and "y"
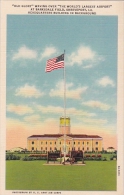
{"x": 33, "y": 175}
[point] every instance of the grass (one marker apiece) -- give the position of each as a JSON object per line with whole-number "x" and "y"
{"x": 33, "y": 175}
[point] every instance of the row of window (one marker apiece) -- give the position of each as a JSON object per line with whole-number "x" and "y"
{"x": 45, "y": 148}
{"x": 68, "y": 143}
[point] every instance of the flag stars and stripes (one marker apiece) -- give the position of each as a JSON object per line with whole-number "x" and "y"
{"x": 55, "y": 63}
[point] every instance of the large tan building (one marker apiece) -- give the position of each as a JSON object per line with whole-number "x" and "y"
{"x": 61, "y": 141}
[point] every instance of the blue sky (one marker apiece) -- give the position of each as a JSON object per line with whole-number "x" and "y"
{"x": 35, "y": 98}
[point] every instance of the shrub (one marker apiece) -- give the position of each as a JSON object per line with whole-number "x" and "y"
{"x": 35, "y": 157}
{"x": 87, "y": 155}
{"x": 104, "y": 159}
{"x": 114, "y": 157}
{"x": 7, "y": 157}
{"x": 38, "y": 155}
{"x": 98, "y": 159}
{"x": 99, "y": 155}
{"x": 12, "y": 157}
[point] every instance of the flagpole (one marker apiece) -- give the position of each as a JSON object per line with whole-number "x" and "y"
{"x": 64, "y": 108}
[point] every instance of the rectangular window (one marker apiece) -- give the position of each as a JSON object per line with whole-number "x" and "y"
{"x": 50, "y": 143}
{"x": 46, "y": 148}
{"x": 78, "y": 148}
{"x": 41, "y": 148}
{"x": 41, "y": 142}
{"x": 96, "y": 148}
{"x": 83, "y": 143}
{"x": 96, "y": 143}
{"x": 50, "y": 148}
{"x": 87, "y": 148}
{"x": 32, "y": 148}
{"x": 87, "y": 143}
{"x": 32, "y": 142}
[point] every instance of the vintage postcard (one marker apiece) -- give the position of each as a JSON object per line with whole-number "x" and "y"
{"x": 62, "y": 97}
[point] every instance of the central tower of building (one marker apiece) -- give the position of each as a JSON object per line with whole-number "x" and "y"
{"x": 64, "y": 125}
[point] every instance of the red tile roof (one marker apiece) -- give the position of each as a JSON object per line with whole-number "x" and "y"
{"x": 70, "y": 135}
{"x": 110, "y": 148}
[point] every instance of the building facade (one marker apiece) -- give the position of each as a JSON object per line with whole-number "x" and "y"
{"x": 110, "y": 149}
{"x": 64, "y": 141}
{"x": 17, "y": 149}
{"x": 52, "y": 142}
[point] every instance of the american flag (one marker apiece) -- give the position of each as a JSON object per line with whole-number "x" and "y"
{"x": 55, "y": 63}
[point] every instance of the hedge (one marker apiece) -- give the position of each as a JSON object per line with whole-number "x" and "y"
{"x": 12, "y": 157}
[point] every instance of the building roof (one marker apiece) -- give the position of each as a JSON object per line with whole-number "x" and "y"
{"x": 16, "y": 148}
{"x": 110, "y": 148}
{"x": 70, "y": 135}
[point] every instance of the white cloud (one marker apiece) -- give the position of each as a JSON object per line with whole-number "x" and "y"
{"x": 75, "y": 112}
{"x": 83, "y": 54}
{"x": 97, "y": 104}
{"x": 94, "y": 121}
{"x": 20, "y": 109}
{"x": 105, "y": 81}
{"x": 24, "y": 53}
{"x": 88, "y": 66}
{"x": 28, "y": 91}
{"x": 70, "y": 93}
{"x": 50, "y": 109}
{"x": 48, "y": 52}
{"x": 51, "y": 121}
{"x": 32, "y": 119}
{"x": 59, "y": 110}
